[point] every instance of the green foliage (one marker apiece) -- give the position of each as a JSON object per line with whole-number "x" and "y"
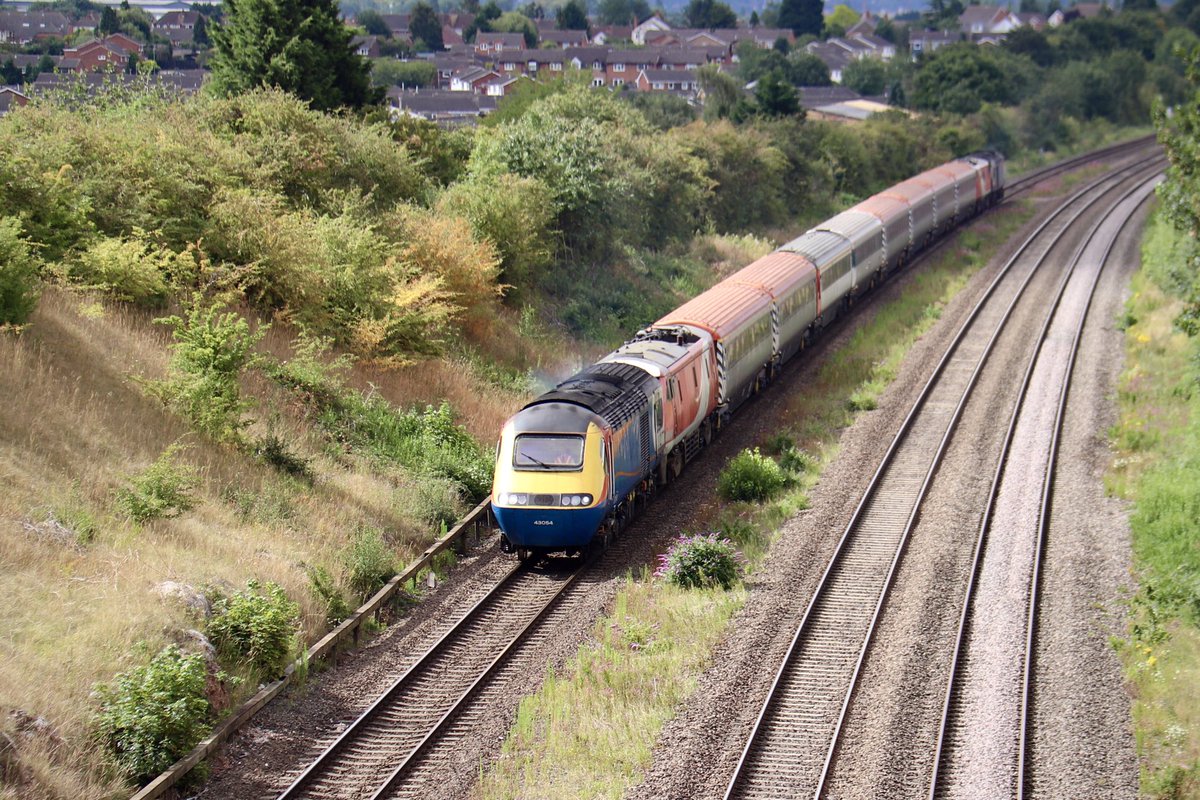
{"x": 802, "y": 16}
{"x": 257, "y": 626}
{"x": 806, "y": 69}
{"x": 959, "y": 78}
{"x": 623, "y": 12}
{"x": 410, "y": 74}
{"x": 369, "y": 563}
{"x": 325, "y": 587}
{"x": 797, "y": 461}
{"x": 775, "y": 96}
{"x": 661, "y": 109}
{"x": 425, "y": 26}
{"x": 709, "y": 14}
{"x": 372, "y": 22}
{"x": 275, "y": 452}
{"x": 211, "y": 350}
{"x": 515, "y": 214}
{"x": 165, "y": 489}
{"x": 135, "y": 270}
{"x": 18, "y": 274}
{"x": 572, "y": 16}
{"x": 694, "y": 562}
{"x": 751, "y": 476}
{"x": 867, "y": 76}
{"x": 151, "y": 716}
{"x": 1180, "y": 194}
{"x": 300, "y": 46}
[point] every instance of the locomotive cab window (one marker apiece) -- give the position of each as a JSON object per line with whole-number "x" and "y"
{"x": 548, "y": 451}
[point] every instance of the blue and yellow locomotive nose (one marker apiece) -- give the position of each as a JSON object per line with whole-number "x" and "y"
{"x": 550, "y": 486}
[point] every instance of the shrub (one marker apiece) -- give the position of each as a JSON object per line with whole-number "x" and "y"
{"x": 369, "y": 562}
{"x": 257, "y": 627}
{"x": 796, "y": 461}
{"x": 164, "y": 489}
{"x": 134, "y": 270}
{"x": 212, "y": 347}
{"x": 18, "y": 274}
{"x": 699, "y": 561}
{"x": 274, "y": 451}
{"x": 152, "y": 715}
{"x": 326, "y": 588}
{"x": 750, "y": 476}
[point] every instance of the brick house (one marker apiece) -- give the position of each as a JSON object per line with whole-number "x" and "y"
{"x": 23, "y": 27}
{"x": 667, "y": 80}
{"x": 488, "y": 43}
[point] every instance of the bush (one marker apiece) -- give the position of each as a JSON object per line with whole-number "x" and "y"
{"x": 796, "y": 461}
{"x": 274, "y": 451}
{"x": 18, "y": 274}
{"x": 699, "y": 561}
{"x": 324, "y": 587}
{"x": 256, "y": 627}
{"x": 212, "y": 348}
{"x": 165, "y": 489}
{"x": 750, "y": 476}
{"x": 135, "y": 269}
{"x": 369, "y": 562}
{"x": 153, "y": 715}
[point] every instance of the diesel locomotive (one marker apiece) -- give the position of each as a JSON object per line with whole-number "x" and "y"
{"x": 573, "y": 465}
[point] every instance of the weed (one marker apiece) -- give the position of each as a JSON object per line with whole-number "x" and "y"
{"x": 324, "y": 587}
{"x": 257, "y": 627}
{"x": 369, "y": 562}
{"x": 750, "y": 476}
{"x": 797, "y": 461}
{"x": 165, "y": 489}
{"x": 152, "y": 715}
{"x": 18, "y": 274}
{"x": 702, "y": 560}
{"x": 272, "y": 450}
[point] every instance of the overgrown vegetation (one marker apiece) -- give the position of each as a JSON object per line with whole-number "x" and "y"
{"x": 152, "y": 715}
{"x": 18, "y": 274}
{"x": 750, "y": 477}
{"x": 256, "y": 627}
{"x": 1157, "y": 440}
{"x": 698, "y": 561}
{"x": 165, "y": 489}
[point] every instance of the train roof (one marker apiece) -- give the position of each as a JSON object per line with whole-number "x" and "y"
{"x": 610, "y": 390}
{"x": 853, "y": 224}
{"x": 820, "y": 247}
{"x": 883, "y": 206}
{"x": 721, "y": 310}
{"x": 956, "y": 169}
{"x": 654, "y": 355}
{"x": 776, "y": 272}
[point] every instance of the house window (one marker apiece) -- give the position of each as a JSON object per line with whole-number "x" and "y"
{"x": 618, "y": 67}
{"x": 533, "y": 66}
{"x": 618, "y": 82}
{"x": 597, "y": 81}
{"x": 597, "y": 65}
{"x": 658, "y": 85}
{"x": 556, "y": 67}
{"x": 671, "y": 85}
{"x": 510, "y": 66}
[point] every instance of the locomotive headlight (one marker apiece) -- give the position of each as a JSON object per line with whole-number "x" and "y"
{"x": 515, "y": 499}
{"x": 587, "y": 500}
{"x": 576, "y": 499}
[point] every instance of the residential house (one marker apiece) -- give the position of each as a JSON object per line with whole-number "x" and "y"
{"x": 978, "y": 21}
{"x": 834, "y": 55}
{"x": 365, "y": 46}
{"x": 23, "y": 27}
{"x": 123, "y": 42}
{"x": 502, "y": 86}
{"x": 564, "y": 39}
{"x": 473, "y": 79}
{"x": 681, "y": 59}
{"x": 451, "y": 36}
{"x": 11, "y": 97}
{"x": 183, "y": 82}
{"x": 878, "y": 46}
{"x": 488, "y": 43}
{"x": 763, "y": 37}
{"x": 623, "y": 66}
{"x": 398, "y": 25}
{"x": 531, "y": 62}
{"x": 177, "y": 20}
{"x": 611, "y": 34}
{"x": 866, "y": 24}
{"x": 653, "y": 25}
{"x": 88, "y": 22}
{"x": 1032, "y": 19}
{"x": 667, "y": 80}
{"x": 445, "y": 108}
{"x": 450, "y": 63}
{"x": 96, "y": 55}
{"x": 928, "y": 41}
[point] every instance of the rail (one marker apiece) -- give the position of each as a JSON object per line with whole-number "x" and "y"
{"x": 326, "y": 648}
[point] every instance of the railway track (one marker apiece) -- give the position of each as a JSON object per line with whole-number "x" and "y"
{"x": 795, "y": 737}
{"x": 973, "y": 759}
{"x": 372, "y": 755}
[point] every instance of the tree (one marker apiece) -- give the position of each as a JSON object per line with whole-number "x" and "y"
{"x": 425, "y": 25}
{"x": 200, "y": 33}
{"x": 723, "y": 96}
{"x": 572, "y": 16}
{"x": 390, "y": 72}
{"x": 753, "y": 19}
{"x": 1026, "y": 41}
{"x": 1140, "y": 5}
{"x": 512, "y": 22}
{"x": 802, "y": 16}
{"x": 866, "y": 76}
{"x": 709, "y": 14}
{"x": 841, "y": 20}
{"x": 300, "y": 46}
{"x": 775, "y": 96}
{"x": 109, "y": 23}
{"x": 373, "y": 23}
{"x": 806, "y": 69}
{"x": 10, "y": 74}
{"x": 959, "y": 78}
{"x": 623, "y": 12}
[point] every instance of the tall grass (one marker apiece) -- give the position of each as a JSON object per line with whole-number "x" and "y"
{"x": 1157, "y": 466}
{"x": 588, "y": 732}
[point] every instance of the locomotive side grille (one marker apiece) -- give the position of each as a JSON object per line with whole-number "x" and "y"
{"x": 722, "y": 397}
{"x": 647, "y": 438}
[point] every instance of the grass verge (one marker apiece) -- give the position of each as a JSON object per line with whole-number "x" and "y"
{"x": 590, "y": 731}
{"x": 1157, "y": 467}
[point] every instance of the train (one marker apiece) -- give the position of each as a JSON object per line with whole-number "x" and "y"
{"x": 575, "y": 465}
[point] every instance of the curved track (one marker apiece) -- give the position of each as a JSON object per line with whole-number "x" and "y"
{"x": 959, "y": 732}
{"x": 795, "y": 738}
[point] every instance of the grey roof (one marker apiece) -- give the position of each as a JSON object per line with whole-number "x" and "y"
{"x": 514, "y": 40}
{"x": 816, "y": 96}
{"x": 8, "y": 98}
{"x": 669, "y": 75}
{"x": 183, "y": 81}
